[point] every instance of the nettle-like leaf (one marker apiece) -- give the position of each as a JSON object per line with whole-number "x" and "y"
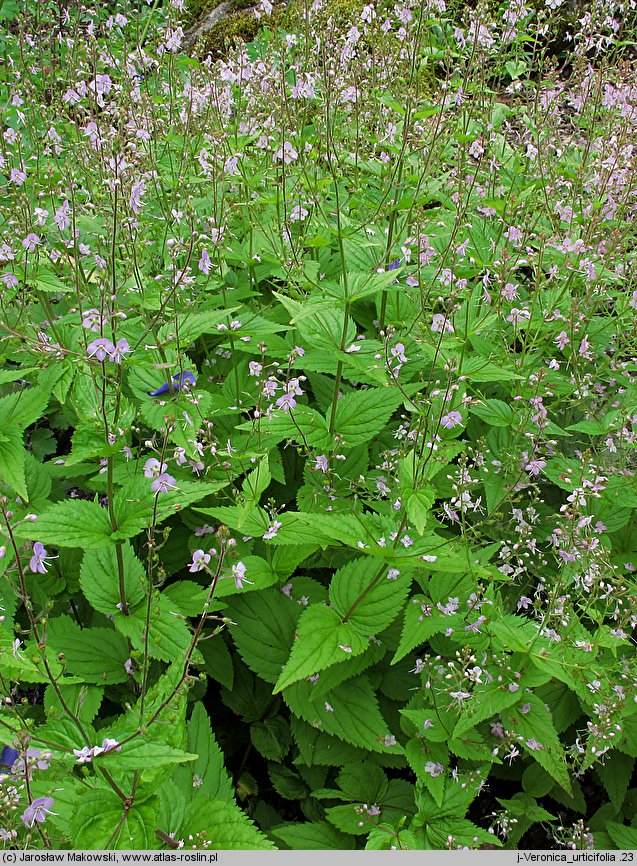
{"x": 350, "y": 712}
{"x": 101, "y": 821}
{"x": 74, "y": 523}
{"x": 223, "y": 825}
{"x": 12, "y": 458}
{"x": 97, "y": 655}
{"x": 100, "y": 578}
{"x": 360, "y": 415}
{"x": 367, "y": 597}
{"x": 263, "y": 630}
{"x": 207, "y": 773}
{"x": 323, "y": 639}
{"x": 531, "y": 721}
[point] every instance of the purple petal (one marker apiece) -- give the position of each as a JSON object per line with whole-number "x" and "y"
{"x": 185, "y": 378}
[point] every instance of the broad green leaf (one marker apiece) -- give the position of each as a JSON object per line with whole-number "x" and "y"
{"x": 100, "y": 579}
{"x": 95, "y": 654}
{"x": 23, "y": 408}
{"x": 624, "y": 837}
{"x": 486, "y": 701}
{"x": 12, "y": 457}
{"x": 224, "y": 824}
{"x": 531, "y": 720}
{"x": 360, "y": 415}
{"x": 313, "y": 837}
{"x": 421, "y": 621}
{"x": 349, "y": 712}
{"x": 263, "y": 629}
{"x": 102, "y": 822}
{"x": 368, "y": 598}
{"x": 74, "y": 523}
{"x": 208, "y": 769}
{"x": 83, "y": 700}
{"x": 169, "y": 634}
{"x": 616, "y": 774}
{"x": 322, "y": 640}
{"x": 496, "y": 413}
{"x": 142, "y": 754}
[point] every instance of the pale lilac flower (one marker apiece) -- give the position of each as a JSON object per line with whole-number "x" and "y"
{"x": 321, "y": 463}
{"x": 137, "y": 191}
{"x": 533, "y": 744}
{"x": 205, "y": 262}
{"x": 239, "y": 575}
{"x": 200, "y": 560}
{"x": 393, "y": 574}
{"x": 514, "y": 235}
{"x": 30, "y": 242}
{"x": 287, "y": 153}
{"x": 516, "y": 316}
{"x": 153, "y": 468}
{"x": 100, "y": 349}
{"x": 119, "y": 351}
{"x": 452, "y": 419}
{"x": 37, "y": 811}
{"x": 440, "y": 324}
{"x": 84, "y": 755}
{"x": 286, "y": 402}
{"x": 92, "y": 320}
{"x": 434, "y": 769}
{"x": 534, "y": 467}
{"x": 163, "y": 484}
{"x": 17, "y": 176}
{"x": 562, "y": 340}
{"x": 38, "y": 560}
{"x": 272, "y": 530}
{"x": 254, "y": 368}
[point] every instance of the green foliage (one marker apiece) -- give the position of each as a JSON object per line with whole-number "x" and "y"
{"x": 317, "y": 410}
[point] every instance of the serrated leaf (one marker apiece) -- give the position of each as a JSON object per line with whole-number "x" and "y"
{"x": 616, "y": 774}
{"x": 95, "y": 654}
{"x": 322, "y": 640}
{"x": 168, "y": 634}
{"x": 421, "y": 621}
{"x": 225, "y": 823}
{"x": 314, "y": 836}
{"x": 12, "y": 458}
{"x": 485, "y": 702}
{"x": 263, "y": 629}
{"x": 496, "y": 413}
{"x": 99, "y": 579}
{"x": 369, "y": 602}
{"x": 360, "y": 415}
{"x": 23, "y": 408}
{"x": 101, "y": 821}
{"x": 349, "y": 712}
{"x": 74, "y": 523}
{"x": 533, "y": 722}
{"x": 624, "y": 837}
{"x": 143, "y": 755}
{"x": 208, "y": 769}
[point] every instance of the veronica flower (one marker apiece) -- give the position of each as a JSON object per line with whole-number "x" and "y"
{"x": 180, "y": 380}
{"x": 37, "y": 811}
{"x": 200, "y": 560}
{"x": 38, "y": 560}
{"x": 163, "y": 483}
{"x": 101, "y": 349}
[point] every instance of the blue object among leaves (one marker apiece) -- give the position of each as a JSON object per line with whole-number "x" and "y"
{"x": 8, "y": 756}
{"x": 181, "y": 379}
